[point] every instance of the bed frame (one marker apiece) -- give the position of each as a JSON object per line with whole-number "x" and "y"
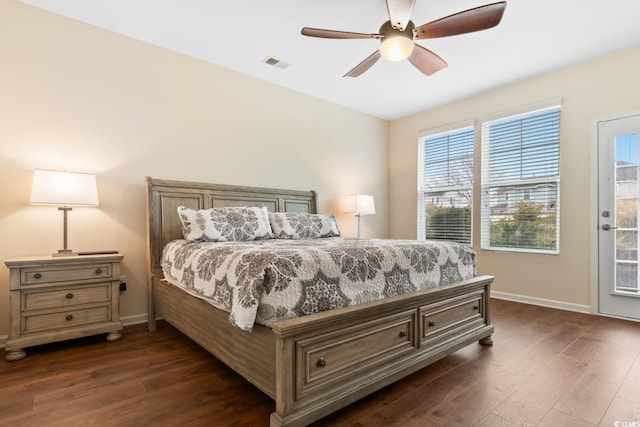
{"x": 312, "y": 365}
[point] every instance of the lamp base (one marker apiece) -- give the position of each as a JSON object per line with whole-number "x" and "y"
{"x": 64, "y": 252}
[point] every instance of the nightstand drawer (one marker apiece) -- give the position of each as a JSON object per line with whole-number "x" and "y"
{"x": 65, "y": 319}
{"x": 33, "y": 276}
{"x": 66, "y": 297}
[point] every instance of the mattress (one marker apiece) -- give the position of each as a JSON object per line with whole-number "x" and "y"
{"x": 268, "y": 280}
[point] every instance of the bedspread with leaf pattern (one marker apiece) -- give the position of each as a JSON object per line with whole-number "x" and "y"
{"x": 269, "y": 280}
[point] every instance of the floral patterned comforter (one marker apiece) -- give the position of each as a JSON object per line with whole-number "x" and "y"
{"x": 269, "y": 280}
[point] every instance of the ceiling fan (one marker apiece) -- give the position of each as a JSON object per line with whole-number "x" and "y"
{"x": 397, "y": 35}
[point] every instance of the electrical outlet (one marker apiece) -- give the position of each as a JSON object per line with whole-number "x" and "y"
{"x": 123, "y": 283}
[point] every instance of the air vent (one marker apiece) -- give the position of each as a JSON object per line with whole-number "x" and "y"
{"x": 275, "y": 62}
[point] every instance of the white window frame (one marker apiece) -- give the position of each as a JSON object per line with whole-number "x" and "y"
{"x": 422, "y": 190}
{"x": 485, "y": 225}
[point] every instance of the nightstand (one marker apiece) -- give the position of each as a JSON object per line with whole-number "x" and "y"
{"x": 58, "y": 298}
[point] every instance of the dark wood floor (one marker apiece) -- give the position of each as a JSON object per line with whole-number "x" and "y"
{"x": 546, "y": 368}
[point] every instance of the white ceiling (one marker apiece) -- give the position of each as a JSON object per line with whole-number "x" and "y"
{"x": 534, "y": 37}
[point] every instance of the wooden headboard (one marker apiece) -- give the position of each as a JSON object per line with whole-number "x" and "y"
{"x": 164, "y": 197}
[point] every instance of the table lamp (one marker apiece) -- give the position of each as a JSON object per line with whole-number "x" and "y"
{"x": 63, "y": 189}
{"x": 360, "y": 204}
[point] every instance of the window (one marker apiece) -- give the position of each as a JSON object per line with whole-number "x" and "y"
{"x": 521, "y": 181}
{"x": 445, "y": 185}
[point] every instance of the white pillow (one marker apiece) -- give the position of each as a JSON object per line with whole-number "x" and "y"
{"x": 298, "y": 225}
{"x": 225, "y": 224}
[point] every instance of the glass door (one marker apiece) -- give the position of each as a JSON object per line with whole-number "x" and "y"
{"x": 618, "y": 201}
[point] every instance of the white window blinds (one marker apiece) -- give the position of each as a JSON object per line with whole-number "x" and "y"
{"x": 521, "y": 182}
{"x": 445, "y": 185}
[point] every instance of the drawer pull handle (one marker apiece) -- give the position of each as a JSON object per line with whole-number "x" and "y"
{"x": 37, "y": 276}
{"x": 69, "y": 317}
{"x": 403, "y": 333}
{"x": 432, "y": 323}
{"x": 69, "y": 295}
{"x": 98, "y": 270}
{"x": 475, "y": 308}
{"x": 321, "y": 363}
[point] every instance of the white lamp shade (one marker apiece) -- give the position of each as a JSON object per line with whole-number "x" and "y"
{"x": 63, "y": 188}
{"x": 360, "y": 204}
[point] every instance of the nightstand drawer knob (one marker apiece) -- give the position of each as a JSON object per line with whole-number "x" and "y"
{"x": 69, "y": 317}
{"x": 321, "y": 363}
{"x": 37, "y": 276}
{"x": 431, "y": 323}
{"x": 98, "y": 270}
{"x": 69, "y": 295}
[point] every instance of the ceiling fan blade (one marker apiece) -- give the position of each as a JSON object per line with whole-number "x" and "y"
{"x": 426, "y": 61}
{"x": 468, "y": 21}
{"x": 364, "y": 65}
{"x": 400, "y": 13}
{"x": 333, "y": 34}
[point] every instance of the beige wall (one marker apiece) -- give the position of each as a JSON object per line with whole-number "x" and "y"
{"x": 79, "y": 98}
{"x": 595, "y": 89}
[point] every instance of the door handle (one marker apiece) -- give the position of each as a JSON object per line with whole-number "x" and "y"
{"x": 607, "y": 227}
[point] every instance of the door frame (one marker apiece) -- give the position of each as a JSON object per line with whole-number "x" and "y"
{"x": 594, "y": 214}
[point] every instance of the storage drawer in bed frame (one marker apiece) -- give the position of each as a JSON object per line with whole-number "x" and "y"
{"x": 334, "y": 357}
{"x": 444, "y": 320}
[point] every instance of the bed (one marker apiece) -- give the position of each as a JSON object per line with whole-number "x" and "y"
{"x": 316, "y": 364}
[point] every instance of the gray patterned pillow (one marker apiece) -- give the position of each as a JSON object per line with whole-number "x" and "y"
{"x": 225, "y": 224}
{"x": 296, "y": 225}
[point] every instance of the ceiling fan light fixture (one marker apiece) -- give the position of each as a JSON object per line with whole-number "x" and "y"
{"x": 396, "y": 48}
{"x": 396, "y": 45}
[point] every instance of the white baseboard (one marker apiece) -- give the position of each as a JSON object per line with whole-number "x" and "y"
{"x": 561, "y": 305}
{"x": 136, "y": 319}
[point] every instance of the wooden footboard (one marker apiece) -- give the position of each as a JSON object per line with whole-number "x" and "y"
{"x": 329, "y": 360}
